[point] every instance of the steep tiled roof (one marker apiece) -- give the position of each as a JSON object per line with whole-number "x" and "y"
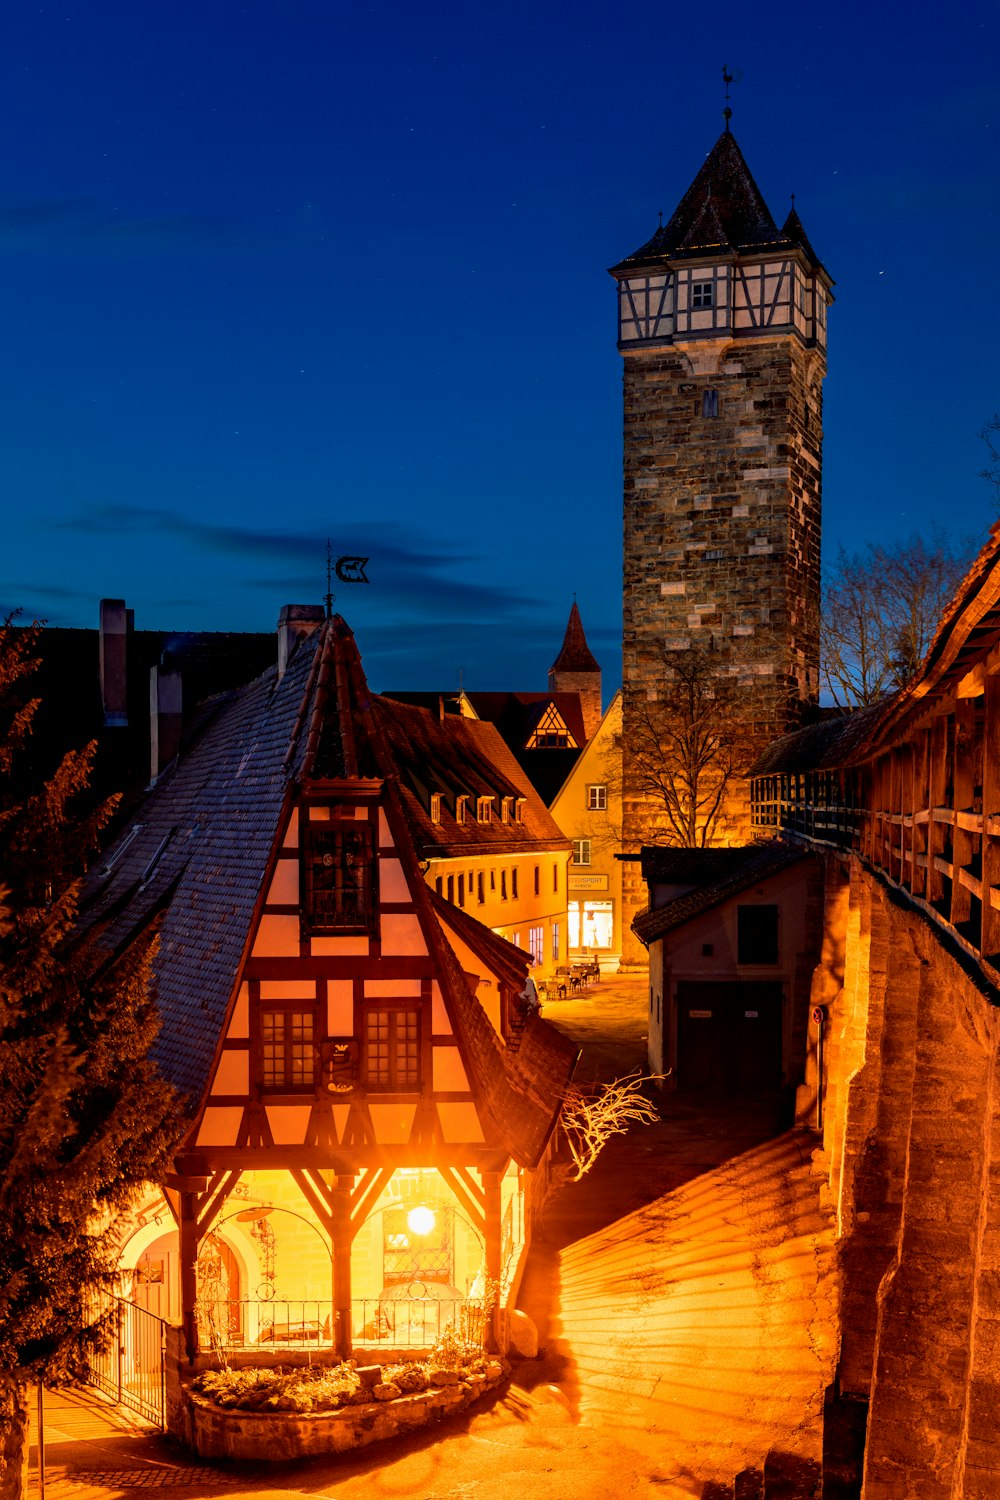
{"x": 458, "y": 755}
{"x": 517, "y": 715}
{"x": 199, "y": 846}
{"x": 830, "y": 742}
{"x": 759, "y": 862}
{"x": 195, "y": 855}
{"x": 722, "y": 207}
{"x": 575, "y": 655}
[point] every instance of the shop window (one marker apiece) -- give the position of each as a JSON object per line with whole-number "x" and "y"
{"x": 287, "y": 1049}
{"x": 392, "y": 1047}
{"x": 757, "y": 934}
{"x": 338, "y": 878}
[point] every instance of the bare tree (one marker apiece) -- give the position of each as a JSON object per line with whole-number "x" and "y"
{"x": 683, "y": 749}
{"x": 881, "y": 608}
{"x": 590, "y": 1117}
{"x": 990, "y": 435}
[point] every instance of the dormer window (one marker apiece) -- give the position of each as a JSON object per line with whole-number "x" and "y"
{"x": 519, "y": 809}
{"x": 702, "y": 294}
{"x": 461, "y": 805}
{"x": 338, "y": 877}
{"x": 435, "y": 807}
{"x": 506, "y": 809}
{"x": 484, "y": 809}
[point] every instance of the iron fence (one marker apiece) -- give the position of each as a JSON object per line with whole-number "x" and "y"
{"x": 400, "y": 1322}
{"x": 131, "y": 1369}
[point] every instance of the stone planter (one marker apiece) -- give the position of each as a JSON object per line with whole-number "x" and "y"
{"x": 277, "y": 1436}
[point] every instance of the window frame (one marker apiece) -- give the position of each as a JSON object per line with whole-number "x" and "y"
{"x": 578, "y": 848}
{"x": 313, "y": 832}
{"x": 287, "y": 1084}
{"x": 701, "y": 289}
{"x": 398, "y": 1081}
{"x": 597, "y": 796}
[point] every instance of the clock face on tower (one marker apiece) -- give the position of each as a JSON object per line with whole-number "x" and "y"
{"x": 646, "y": 307}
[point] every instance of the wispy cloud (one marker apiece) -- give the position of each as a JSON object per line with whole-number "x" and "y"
{"x": 413, "y": 580}
{"x": 70, "y": 225}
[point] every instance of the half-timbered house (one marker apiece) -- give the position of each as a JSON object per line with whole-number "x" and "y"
{"x": 371, "y": 1101}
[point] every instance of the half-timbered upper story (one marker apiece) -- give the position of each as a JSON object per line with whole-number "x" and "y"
{"x": 720, "y": 268}
{"x": 321, "y": 1011}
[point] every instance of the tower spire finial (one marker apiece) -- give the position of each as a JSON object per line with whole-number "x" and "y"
{"x": 727, "y": 79}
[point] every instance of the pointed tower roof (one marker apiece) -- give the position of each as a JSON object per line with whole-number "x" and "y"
{"x": 576, "y": 655}
{"x": 722, "y": 207}
{"x": 793, "y": 230}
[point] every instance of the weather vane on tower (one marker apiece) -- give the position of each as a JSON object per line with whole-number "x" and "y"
{"x": 727, "y": 79}
{"x": 347, "y": 569}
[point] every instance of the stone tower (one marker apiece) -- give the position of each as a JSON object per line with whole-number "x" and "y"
{"x": 575, "y": 670}
{"x": 722, "y": 327}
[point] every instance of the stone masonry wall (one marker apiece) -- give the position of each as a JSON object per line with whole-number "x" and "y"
{"x": 722, "y": 538}
{"x": 912, "y": 1151}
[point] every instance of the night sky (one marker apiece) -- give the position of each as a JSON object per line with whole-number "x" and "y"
{"x": 280, "y": 271}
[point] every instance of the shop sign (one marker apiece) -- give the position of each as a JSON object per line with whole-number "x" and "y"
{"x": 588, "y": 882}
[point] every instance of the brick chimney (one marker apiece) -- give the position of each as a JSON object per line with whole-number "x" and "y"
{"x": 164, "y": 718}
{"x": 115, "y": 621}
{"x": 295, "y": 620}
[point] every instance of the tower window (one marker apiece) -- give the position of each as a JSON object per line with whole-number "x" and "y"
{"x": 710, "y": 403}
{"x": 701, "y": 294}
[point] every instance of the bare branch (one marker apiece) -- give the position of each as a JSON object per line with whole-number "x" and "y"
{"x": 591, "y": 1118}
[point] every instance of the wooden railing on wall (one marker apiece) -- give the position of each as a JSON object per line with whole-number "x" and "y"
{"x": 924, "y": 812}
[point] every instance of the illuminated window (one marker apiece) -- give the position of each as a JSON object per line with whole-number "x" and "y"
{"x": 435, "y": 807}
{"x": 581, "y": 851}
{"x": 536, "y": 943}
{"x": 555, "y": 942}
{"x": 287, "y": 1049}
{"x": 338, "y": 870}
{"x": 701, "y": 294}
{"x": 597, "y": 798}
{"x": 392, "y": 1047}
{"x": 484, "y": 809}
{"x": 461, "y": 803}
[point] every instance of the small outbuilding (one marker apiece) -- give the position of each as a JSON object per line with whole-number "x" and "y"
{"x": 733, "y": 937}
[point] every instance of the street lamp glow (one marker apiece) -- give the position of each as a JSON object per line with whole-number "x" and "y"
{"x": 420, "y": 1220}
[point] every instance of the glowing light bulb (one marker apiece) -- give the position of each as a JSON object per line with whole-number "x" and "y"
{"x": 420, "y": 1220}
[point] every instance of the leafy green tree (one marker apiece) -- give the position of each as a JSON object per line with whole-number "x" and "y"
{"x": 84, "y": 1119}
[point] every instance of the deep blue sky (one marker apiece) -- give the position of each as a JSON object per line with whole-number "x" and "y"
{"x": 276, "y": 271}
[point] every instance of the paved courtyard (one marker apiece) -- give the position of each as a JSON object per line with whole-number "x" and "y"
{"x": 683, "y": 1294}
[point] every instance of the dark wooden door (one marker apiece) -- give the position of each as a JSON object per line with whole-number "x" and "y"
{"x": 729, "y": 1036}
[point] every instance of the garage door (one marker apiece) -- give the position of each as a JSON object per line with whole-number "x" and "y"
{"x": 729, "y": 1036}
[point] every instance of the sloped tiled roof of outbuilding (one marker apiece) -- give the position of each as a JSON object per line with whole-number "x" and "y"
{"x": 824, "y": 745}
{"x": 759, "y": 862}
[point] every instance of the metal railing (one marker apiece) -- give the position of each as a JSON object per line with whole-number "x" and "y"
{"x": 406, "y": 1322}
{"x": 131, "y": 1369}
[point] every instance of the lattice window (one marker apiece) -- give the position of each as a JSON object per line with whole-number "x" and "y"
{"x": 287, "y": 1049}
{"x": 392, "y": 1047}
{"x": 338, "y": 885}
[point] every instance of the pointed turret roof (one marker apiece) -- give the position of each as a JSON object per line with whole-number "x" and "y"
{"x": 723, "y": 207}
{"x": 576, "y": 655}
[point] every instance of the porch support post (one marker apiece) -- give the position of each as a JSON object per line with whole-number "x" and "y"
{"x": 189, "y": 1273}
{"x": 340, "y": 1214}
{"x": 494, "y": 1268}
